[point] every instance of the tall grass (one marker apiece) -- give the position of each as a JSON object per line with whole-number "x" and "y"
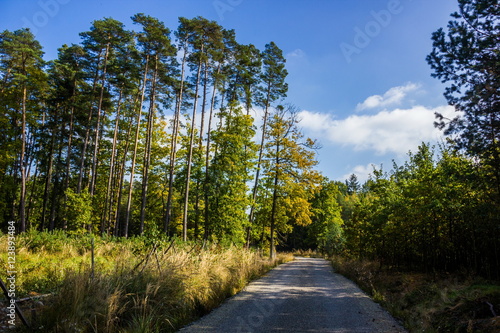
{"x": 138, "y": 285}
{"x": 428, "y": 302}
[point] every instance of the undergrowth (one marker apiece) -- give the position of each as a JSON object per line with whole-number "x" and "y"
{"x": 308, "y": 253}
{"x": 428, "y": 302}
{"x": 136, "y": 285}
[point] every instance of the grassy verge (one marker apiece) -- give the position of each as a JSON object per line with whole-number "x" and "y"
{"x": 429, "y": 302}
{"x": 137, "y": 285}
{"x": 308, "y": 254}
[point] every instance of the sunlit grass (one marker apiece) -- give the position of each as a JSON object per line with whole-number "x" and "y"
{"x": 137, "y": 285}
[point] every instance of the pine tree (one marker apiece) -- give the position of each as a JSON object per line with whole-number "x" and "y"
{"x": 467, "y": 57}
{"x": 200, "y": 35}
{"x": 352, "y": 184}
{"x": 67, "y": 106}
{"x": 273, "y": 88}
{"x": 23, "y": 84}
{"x": 105, "y": 39}
{"x": 158, "y": 52}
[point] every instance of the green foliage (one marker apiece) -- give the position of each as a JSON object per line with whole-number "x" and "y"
{"x": 466, "y": 57}
{"x": 432, "y": 213}
{"x": 273, "y": 76}
{"x": 22, "y": 92}
{"x": 289, "y": 181}
{"x": 229, "y": 175}
{"x": 327, "y": 221}
{"x": 86, "y": 144}
{"x": 78, "y": 211}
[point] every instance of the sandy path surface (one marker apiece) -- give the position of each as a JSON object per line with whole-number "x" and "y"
{"x": 304, "y": 295}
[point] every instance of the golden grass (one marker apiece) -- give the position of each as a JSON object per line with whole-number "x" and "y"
{"x": 308, "y": 254}
{"x": 136, "y": 285}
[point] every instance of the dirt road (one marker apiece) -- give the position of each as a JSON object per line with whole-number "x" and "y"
{"x": 300, "y": 296}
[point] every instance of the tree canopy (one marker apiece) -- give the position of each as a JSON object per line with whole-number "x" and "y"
{"x": 466, "y": 56}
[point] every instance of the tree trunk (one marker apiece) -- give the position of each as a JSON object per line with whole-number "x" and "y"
{"x": 259, "y": 163}
{"x": 134, "y": 157}
{"x": 190, "y": 157}
{"x": 68, "y": 163}
{"x": 207, "y": 160}
{"x": 93, "y": 175}
{"x": 48, "y": 181}
{"x": 87, "y": 132}
{"x": 22, "y": 200}
{"x": 272, "y": 251}
{"x": 173, "y": 150}
{"x": 147, "y": 148}
{"x": 109, "y": 196}
{"x": 121, "y": 176}
{"x": 200, "y": 152}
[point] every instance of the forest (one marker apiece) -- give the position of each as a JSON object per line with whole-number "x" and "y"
{"x": 130, "y": 133}
{"x": 188, "y": 134}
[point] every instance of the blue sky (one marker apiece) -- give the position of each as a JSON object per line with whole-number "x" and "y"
{"x": 356, "y": 68}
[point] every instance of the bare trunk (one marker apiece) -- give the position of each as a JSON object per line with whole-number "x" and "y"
{"x": 22, "y": 200}
{"x": 87, "y": 133}
{"x": 203, "y": 106}
{"x": 200, "y": 152}
{"x": 173, "y": 154}
{"x": 109, "y": 196}
{"x": 121, "y": 177}
{"x": 134, "y": 157}
{"x": 272, "y": 251}
{"x": 48, "y": 181}
{"x": 207, "y": 160}
{"x": 173, "y": 149}
{"x": 259, "y": 163}
{"x": 190, "y": 158}
{"x": 93, "y": 175}
{"x": 147, "y": 148}
{"x": 68, "y": 161}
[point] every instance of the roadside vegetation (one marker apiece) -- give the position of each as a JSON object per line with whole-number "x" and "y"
{"x": 142, "y": 284}
{"x": 428, "y": 302}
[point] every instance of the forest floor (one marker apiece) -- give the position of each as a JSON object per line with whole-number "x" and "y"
{"x": 429, "y": 302}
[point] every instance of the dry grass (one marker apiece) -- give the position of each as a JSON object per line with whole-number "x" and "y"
{"x": 308, "y": 254}
{"x": 136, "y": 286}
{"x": 428, "y": 302}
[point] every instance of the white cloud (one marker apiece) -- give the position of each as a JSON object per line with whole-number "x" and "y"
{"x": 315, "y": 121}
{"x": 363, "y": 172}
{"x": 297, "y": 53}
{"x": 393, "y": 96}
{"x": 397, "y": 131}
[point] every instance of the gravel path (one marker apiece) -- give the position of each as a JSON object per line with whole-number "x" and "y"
{"x": 300, "y": 296}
